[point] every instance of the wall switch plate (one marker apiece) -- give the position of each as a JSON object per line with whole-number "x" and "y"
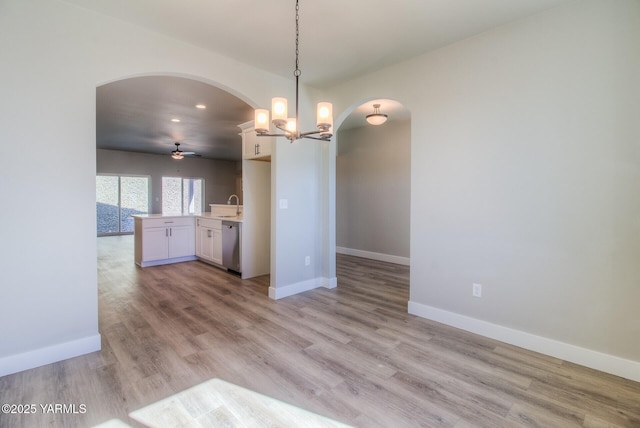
{"x": 307, "y": 261}
{"x": 477, "y": 290}
{"x": 284, "y": 204}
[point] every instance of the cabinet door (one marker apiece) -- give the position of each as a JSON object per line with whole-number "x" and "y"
{"x": 249, "y": 144}
{"x": 216, "y": 246}
{"x": 206, "y": 243}
{"x": 199, "y": 238}
{"x": 254, "y": 147}
{"x": 263, "y": 148}
{"x": 181, "y": 241}
{"x": 155, "y": 244}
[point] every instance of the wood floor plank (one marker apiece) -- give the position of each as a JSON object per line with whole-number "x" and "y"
{"x": 351, "y": 354}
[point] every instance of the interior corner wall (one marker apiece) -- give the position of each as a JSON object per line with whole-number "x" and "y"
{"x": 219, "y": 175}
{"x": 525, "y": 178}
{"x": 373, "y": 190}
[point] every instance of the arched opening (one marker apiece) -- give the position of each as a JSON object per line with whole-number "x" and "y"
{"x": 139, "y": 122}
{"x": 373, "y": 183}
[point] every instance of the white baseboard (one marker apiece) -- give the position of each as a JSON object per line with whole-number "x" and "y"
{"x": 50, "y": 354}
{"x": 374, "y": 256}
{"x": 585, "y": 357}
{"x": 300, "y": 287}
{"x": 167, "y": 261}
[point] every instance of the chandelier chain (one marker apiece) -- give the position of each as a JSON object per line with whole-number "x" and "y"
{"x": 297, "y": 70}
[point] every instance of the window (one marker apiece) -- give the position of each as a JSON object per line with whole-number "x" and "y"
{"x": 117, "y": 198}
{"x": 182, "y": 195}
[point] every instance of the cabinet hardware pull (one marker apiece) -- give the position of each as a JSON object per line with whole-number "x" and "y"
{"x": 209, "y": 233}
{"x": 170, "y": 232}
{"x": 166, "y": 233}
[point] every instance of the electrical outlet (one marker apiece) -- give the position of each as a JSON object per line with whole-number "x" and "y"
{"x": 307, "y": 260}
{"x": 477, "y": 290}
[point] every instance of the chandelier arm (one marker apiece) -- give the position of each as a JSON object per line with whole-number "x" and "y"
{"x": 304, "y": 134}
{"x": 272, "y": 135}
{"x": 327, "y": 138}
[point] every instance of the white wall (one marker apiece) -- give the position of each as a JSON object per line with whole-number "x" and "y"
{"x": 219, "y": 175}
{"x": 525, "y": 178}
{"x": 54, "y": 55}
{"x": 373, "y": 190}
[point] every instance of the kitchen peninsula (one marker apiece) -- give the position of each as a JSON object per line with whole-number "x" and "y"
{"x": 164, "y": 239}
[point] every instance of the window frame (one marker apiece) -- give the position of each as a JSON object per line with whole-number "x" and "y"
{"x": 120, "y": 176}
{"x": 182, "y": 182}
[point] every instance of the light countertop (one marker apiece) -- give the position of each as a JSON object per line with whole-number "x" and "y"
{"x": 197, "y": 215}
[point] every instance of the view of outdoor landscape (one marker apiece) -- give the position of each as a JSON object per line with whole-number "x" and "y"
{"x": 117, "y": 198}
{"x": 120, "y": 197}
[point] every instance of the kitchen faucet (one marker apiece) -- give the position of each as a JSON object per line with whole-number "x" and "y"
{"x": 237, "y": 203}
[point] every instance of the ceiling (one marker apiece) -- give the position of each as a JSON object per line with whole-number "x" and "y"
{"x": 339, "y": 40}
{"x": 136, "y": 115}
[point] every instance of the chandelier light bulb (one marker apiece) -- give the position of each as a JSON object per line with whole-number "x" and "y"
{"x": 279, "y": 110}
{"x": 325, "y": 115}
{"x": 262, "y": 121}
{"x": 292, "y": 125}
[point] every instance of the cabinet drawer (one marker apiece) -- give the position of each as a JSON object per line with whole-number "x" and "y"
{"x": 167, "y": 222}
{"x": 209, "y": 223}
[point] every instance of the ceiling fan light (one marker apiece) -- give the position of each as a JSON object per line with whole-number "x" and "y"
{"x": 376, "y": 118}
{"x": 177, "y": 153}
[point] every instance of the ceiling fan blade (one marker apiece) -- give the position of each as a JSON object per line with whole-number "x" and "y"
{"x": 188, "y": 153}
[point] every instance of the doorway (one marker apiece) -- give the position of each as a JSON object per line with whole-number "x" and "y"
{"x": 373, "y": 184}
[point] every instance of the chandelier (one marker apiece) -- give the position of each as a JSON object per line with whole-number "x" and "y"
{"x": 289, "y": 125}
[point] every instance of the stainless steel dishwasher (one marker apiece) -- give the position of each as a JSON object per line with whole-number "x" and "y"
{"x": 231, "y": 245}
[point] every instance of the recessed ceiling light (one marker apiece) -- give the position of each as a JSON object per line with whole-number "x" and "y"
{"x": 175, "y": 120}
{"x": 201, "y": 106}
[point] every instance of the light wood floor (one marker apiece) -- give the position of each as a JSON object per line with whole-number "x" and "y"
{"x": 351, "y": 354}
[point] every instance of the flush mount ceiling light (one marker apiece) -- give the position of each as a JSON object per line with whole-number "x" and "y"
{"x": 324, "y": 117}
{"x": 176, "y": 120}
{"x": 376, "y": 118}
{"x": 201, "y": 106}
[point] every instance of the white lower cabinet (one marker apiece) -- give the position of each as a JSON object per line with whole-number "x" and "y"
{"x": 209, "y": 240}
{"x": 164, "y": 240}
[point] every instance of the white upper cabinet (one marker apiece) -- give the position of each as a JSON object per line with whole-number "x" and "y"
{"x": 254, "y": 147}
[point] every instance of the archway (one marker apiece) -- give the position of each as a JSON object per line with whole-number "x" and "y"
{"x": 373, "y": 183}
{"x": 141, "y": 117}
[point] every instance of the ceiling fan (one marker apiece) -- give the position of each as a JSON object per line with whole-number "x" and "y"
{"x": 179, "y": 154}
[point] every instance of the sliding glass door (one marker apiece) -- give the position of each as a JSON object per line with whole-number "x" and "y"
{"x": 117, "y": 198}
